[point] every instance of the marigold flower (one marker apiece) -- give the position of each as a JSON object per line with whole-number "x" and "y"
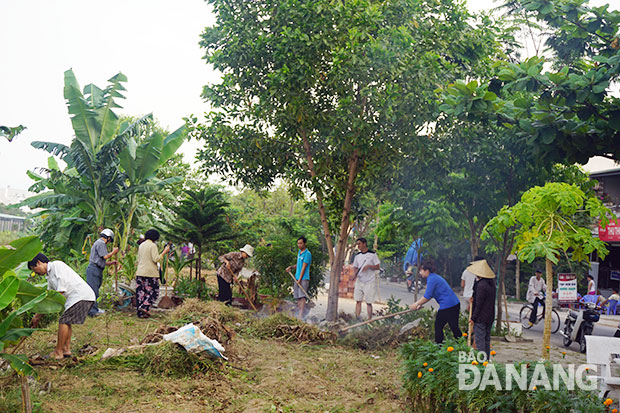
{"x": 425, "y": 364}
{"x": 608, "y": 402}
{"x": 493, "y": 352}
{"x": 419, "y": 374}
{"x": 450, "y": 349}
{"x": 475, "y": 363}
{"x": 485, "y": 363}
{"x": 534, "y": 388}
{"x": 614, "y": 411}
{"x": 430, "y": 370}
{"x": 548, "y": 347}
{"x": 464, "y": 334}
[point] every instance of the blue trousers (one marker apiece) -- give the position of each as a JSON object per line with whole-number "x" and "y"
{"x": 94, "y": 278}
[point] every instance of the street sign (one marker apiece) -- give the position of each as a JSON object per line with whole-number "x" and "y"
{"x": 611, "y": 232}
{"x": 567, "y": 288}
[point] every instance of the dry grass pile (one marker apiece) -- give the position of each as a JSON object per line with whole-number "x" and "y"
{"x": 287, "y": 328}
{"x": 166, "y": 359}
{"x": 158, "y": 335}
{"x": 193, "y": 310}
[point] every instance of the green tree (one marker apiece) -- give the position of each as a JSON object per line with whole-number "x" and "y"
{"x": 330, "y": 95}
{"x": 547, "y": 226}
{"x": 566, "y": 114}
{"x": 202, "y": 219}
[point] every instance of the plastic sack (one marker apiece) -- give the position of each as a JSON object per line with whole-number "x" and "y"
{"x": 194, "y": 341}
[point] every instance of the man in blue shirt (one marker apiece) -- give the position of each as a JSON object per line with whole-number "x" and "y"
{"x": 449, "y": 304}
{"x": 302, "y": 275}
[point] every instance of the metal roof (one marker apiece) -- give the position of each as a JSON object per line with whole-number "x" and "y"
{"x": 607, "y": 172}
{"x": 13, "y": 217}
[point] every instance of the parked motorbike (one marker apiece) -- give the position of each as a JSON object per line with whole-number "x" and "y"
{"x": 617, "y": 333}
{"x": 579, "y": 324}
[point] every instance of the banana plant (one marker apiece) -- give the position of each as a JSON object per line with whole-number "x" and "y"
{"x": 178, "y": 263}
{"x": 18, "y": 296}
{"x": 10, "y": 132}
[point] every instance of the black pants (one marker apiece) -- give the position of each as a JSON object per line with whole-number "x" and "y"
{"x": 482, "y": 334}
{"x": 534, "y": 311}
{"x": 225, "y": 292}
{"x": 94, "y": 278}
{"x": 451, "y": 317}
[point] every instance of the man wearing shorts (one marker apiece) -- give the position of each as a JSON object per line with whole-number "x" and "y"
{"x": 302, "y": 275}
{"x": 79, "y": 299}
{"x": 365, "y": 264}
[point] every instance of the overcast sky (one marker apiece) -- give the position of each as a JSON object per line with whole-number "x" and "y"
{"x": 153, "y": 42}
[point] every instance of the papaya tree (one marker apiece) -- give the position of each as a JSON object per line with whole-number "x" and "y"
{"x": 549, "y": 222}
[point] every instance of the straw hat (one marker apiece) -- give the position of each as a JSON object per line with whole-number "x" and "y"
{"x": 481, "y": 269}
{"x": 248, "y": 249}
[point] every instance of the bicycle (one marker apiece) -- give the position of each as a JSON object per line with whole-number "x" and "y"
{"x": 526, "y": 312}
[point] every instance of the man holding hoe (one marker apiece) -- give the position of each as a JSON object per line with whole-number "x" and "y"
{"x": 302, "y": 275}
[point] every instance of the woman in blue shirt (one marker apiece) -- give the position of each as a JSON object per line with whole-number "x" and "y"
{"x": 449, "y": 304}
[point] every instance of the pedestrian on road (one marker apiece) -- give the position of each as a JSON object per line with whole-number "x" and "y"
{"x": 449, "y": 304}
{"x": 147, "y": 273}
{"x": 467, "y": 284}
{"x": 98, "y": 260}
{"x": 302, "y": 275}
{"x": 365, "y": 264}
{"x": 483, "y": 305}
{"x": 535, "y": 291}
{"x": 79, "y": 299}
{"x": 232, "y": 263}
{"x": 591, "y": 285}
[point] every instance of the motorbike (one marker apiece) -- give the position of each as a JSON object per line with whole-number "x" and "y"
{"x": 617, "y": 333}
{"x": 579, "y": 324}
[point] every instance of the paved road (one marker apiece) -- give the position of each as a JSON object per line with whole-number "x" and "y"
{"x": 606, "y": 327}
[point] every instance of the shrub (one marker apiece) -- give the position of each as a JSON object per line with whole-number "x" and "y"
{"x": 439, "y": 390}
{"x": 193, "y": 288}
{"x": 271, "y": 261}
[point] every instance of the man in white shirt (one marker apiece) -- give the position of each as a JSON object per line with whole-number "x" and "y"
{"x": 535, "y": 296}
{"x": 365, "y": 263}
{"x": 79, "y": 299}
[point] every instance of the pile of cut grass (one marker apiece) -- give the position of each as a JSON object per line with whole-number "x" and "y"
{"x": 287, "y": 328}
{"x": 194, "y": 309}
{"x": 166, "y": 359}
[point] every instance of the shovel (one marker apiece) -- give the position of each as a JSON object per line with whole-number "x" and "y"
{"x": 166, "y": 302}
{"x": 299, "y": 285}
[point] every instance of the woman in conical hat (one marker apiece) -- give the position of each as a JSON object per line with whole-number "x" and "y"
{"x": 483, "y": 307}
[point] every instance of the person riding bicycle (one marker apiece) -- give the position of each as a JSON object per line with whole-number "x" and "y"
{"x": 535, "y": 294}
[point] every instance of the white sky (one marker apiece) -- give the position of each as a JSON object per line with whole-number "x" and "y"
{"x": 153, "y": 42}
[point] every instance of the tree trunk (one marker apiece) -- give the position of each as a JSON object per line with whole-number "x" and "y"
{"x": 500, "y": 277}
{"x": 336, "y": 268}
{"x": 474, "y": 240}
{"x": 548, "y": 304}
{"x": 517, "y": 280}
{"x": 26, "y": 401}
{"x": 319, "y": 197}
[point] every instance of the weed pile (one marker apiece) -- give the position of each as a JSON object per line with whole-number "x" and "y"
{"x": 165, "y": 359}
{"x": 193, "y": 310}
{"x": 287, "y": 328}
{"x": 158, "y": 335}
{"x": 380, "y": 337}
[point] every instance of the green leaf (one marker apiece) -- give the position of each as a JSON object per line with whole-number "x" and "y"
{"x": 8, "y": 291}
{"x": 19, "y": 363}
{"x": 17, "y": 333}
{"x": 20, "y": 250}
{"x": 52, "y": 302}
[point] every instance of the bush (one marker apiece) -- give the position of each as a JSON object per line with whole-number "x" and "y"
{"x": 271, "y": 261}
{"x": 193, "y": 288}
{"x": 439, "y": 390}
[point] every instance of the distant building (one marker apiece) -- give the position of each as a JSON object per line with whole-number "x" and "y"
{"x": 12, "y": 223}
{"x": 606, "y": 272}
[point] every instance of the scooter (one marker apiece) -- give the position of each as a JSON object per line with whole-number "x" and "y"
{"x": 578, "y": 325}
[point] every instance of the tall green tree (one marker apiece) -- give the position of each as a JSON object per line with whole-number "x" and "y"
{"x": 330, "y": 95}
{"x": 567, "y": 113}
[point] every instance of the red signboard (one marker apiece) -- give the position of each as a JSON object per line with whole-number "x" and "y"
{"x": 611, "y": 233}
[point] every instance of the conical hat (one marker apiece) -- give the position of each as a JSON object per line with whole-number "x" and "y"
{"x": 481, "y": 269}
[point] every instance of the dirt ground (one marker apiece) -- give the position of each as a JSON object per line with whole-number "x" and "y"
{"x": 263, "y": 375}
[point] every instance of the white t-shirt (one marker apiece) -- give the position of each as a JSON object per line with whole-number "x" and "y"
{"x": 535, "y": 288}
{"x": 470, "y": 279}
{"x": 62, "y": 278}
{"x": 363, "y": 259}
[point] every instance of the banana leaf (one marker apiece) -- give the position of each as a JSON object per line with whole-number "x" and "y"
{"x": 53, "y": 302}
{"x": 8, "y": 291}
{"x": 19, "y": 363}
{"x": 20, "y": 250}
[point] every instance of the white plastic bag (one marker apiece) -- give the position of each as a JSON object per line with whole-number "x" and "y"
{"x": 194, "y": 341}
